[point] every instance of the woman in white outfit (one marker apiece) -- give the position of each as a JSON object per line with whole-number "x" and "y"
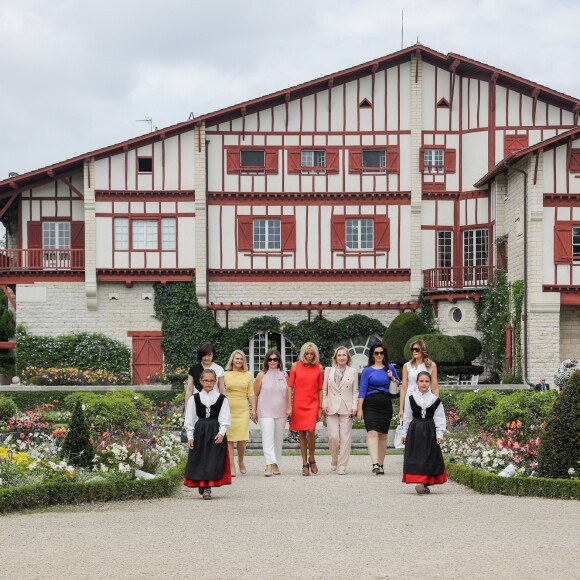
{"x": 271, "y": 392}
{"x": 420, "y": 361}
{"x": 339, "y": 403}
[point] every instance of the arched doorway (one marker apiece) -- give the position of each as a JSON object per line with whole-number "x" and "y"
{"x": 262, "y": 342}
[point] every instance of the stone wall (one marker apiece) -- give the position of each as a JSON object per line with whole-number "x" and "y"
{"x": 569, "y": 332}
{"x": 447, "y": 324}
{"x": 59, "y": 308}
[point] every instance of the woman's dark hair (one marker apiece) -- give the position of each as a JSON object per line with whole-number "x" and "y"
{"x": 204, "y": 349}
{"x": 270, "y": 353}
{"x": 427, "y": 374}
{"x": 372, "y": 355}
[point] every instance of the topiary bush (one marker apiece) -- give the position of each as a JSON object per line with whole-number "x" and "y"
{"x": 8, "y": 408}
{"x": 474, "y": 407}
{"x": 77, "y": 448}
{"x": 530, "y": 408}
{"x": 472, "y": 347}
{"x": 560, "y": 443}
{"x": 442, "y": 348}
{"x": 403, "y": 327}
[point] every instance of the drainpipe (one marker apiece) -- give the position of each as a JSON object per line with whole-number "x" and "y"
{"x": 525, "y": 313}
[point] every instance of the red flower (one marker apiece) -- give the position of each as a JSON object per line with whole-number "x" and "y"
{"x": 21, "y": 435}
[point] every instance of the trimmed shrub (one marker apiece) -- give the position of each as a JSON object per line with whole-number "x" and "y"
{"x": 403, "y": 327}
{"x": 484, "y": 482}
{"x": 472, "y": 347}
{"x": 459, "y": 369}
{"x": 8, "y": 408}
{"x": 77, "y": 448}
{"x": 442, "y": 348}
{"x": 474, "y": 407}
{"x": 528, "y": 407}
{"x": 560, "y": 445}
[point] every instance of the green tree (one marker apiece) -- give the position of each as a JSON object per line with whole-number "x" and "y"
{"x": 77, "y": 448}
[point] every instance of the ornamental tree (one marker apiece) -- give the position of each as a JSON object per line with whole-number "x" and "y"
{"x": 77, "y": 448}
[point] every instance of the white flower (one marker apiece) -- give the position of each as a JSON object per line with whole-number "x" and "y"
{"x": 571, "y": 471}
{"x": 135, "y": 398}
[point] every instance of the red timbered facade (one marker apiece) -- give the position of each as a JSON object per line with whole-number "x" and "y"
{"x": 349, "y": 193}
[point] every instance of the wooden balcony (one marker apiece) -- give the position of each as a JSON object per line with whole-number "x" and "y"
{"x": 462, "y": 278}
{"x": 15, "y": 260}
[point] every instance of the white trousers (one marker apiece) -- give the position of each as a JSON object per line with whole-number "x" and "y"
{"x": 272, "y": 439}
{"x": 339, "y": 429}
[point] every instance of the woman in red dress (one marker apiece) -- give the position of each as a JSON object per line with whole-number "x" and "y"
{"x": 305, "y": 402}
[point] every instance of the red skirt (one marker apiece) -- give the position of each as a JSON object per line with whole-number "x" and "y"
{"x": 425, "y": 479}
{"x": 225, "y": 480}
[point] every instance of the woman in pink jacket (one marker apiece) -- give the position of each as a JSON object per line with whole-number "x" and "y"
{"x": 339, "y": 403}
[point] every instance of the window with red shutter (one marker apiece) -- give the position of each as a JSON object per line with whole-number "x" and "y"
{"x": 563, "y": 242}
{"x": 355, "y": 164}
{"x": 245, "y": 233}
{"x": 435, "y": 159}
{"x": 77, "y": 235}
{"x": 393, "y": 160}
{"x": 513, "y": 143}
{"x": 382, "y": 233}
{"x": 313, "y": 161}
{"x": 575, "y": 161}
{"x": 252, "y": 160}
{"x": 294, "y": 161}
{"x": 289, "y": 233}
{"x": 271, "y": 161}
{"x": 233, "y": 160}
{"x": 449, "y": 160}
{"x": 35, "y": 234}
{"x": 337, "y": 233}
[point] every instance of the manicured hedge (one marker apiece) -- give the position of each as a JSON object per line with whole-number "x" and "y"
{"x": 47, "y": 494}
{"x": 490, "y": 483}
{"x": 30, "y": 399}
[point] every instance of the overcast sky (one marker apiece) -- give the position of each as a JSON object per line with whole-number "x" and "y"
{"x": 77, "y": 75}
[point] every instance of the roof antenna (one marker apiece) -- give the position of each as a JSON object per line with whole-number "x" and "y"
{"x": 146, "y": 120}
{"x": 191, "y": 116}
{"x": 402, "y": 16}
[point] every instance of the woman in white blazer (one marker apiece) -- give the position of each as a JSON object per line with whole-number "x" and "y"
{"x": 339, "y": 403}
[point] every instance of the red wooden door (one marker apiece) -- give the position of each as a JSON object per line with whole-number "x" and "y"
{"x": 147, "y": 358}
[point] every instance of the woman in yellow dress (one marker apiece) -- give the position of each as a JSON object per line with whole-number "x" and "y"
{"x": 240, "y": 393}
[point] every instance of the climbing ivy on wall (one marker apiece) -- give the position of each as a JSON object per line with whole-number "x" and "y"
{"x": 501, "y": 304}
{"x": 185, "y": 325}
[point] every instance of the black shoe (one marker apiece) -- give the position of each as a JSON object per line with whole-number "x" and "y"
{"x": 200, "y": 490}
{"x": 376, "y": 468}
{"x": 381, "y": 470}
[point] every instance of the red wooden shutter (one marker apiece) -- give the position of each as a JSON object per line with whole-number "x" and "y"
{"x": 271, "y": 161}
{"x": 393, "y": 160}
{"x": 449, "y": 160}
{"x": 382, "y": 233}
{"x": 332, "y": 161}
{"x": 355, "y": 161}
{"x": 245, "y": 233}
{"x": 233, "y": 160}
{"x": 575, "y": 161}
{"x": 563, "y": 243}
{"x": 513, "y": 143}
{"x": 77, "y": 235}
{"x": 421, "y": 160}
{"x": 34, "y": 234}
{"x": 289, "y": 233}
{"x": 294, "y": 161}
{"x": 338, "y": 233}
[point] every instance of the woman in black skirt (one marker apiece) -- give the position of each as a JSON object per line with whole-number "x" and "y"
{"x": 206, "y": 421}
{"x": 423, "y": 428}
{"x": 374, "y": 403}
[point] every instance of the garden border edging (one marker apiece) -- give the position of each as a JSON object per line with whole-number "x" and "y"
{"x": 490, "y": 483}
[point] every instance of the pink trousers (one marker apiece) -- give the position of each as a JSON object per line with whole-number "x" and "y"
{"x": 339, "y": 428}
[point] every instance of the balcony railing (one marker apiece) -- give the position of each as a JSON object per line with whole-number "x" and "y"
{"x": 466, "y": 277}
{"x": 18, "y": 260}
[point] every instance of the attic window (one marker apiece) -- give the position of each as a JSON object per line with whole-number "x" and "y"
{"x": 443, "y": 103}
{"x": 365, "y": 104}
{"x": 145, "y": 164}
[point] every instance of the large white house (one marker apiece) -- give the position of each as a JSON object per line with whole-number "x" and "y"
{"x": 348, "y": 193}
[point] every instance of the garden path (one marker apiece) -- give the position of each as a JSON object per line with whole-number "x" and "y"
{"x": 355, "y": 526}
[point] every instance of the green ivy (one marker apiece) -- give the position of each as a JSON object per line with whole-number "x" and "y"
{"x": 83, "y": 351}
{"x": 186, "y": 325}
{"x": 517, "y": 296}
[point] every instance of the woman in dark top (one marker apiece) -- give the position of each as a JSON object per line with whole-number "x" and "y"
{"x": 206, "y": 356}
{"x": 374, "y": 403}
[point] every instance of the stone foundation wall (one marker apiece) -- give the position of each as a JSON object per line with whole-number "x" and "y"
{"x": 569, "y": 332}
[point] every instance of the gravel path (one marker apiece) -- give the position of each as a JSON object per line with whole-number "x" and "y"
{"x": 353, "y": 526}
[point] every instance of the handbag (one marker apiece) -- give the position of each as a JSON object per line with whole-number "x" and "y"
{"x": 398, "y": 443}
{"x": 184, "y": 435}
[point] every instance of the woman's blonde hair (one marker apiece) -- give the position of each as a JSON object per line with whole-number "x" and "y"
{"x": 230, "y": 365}
{"x": 309, "y": 346}
{"x": 349, "y": 358}
{"x": 424, "y": 351}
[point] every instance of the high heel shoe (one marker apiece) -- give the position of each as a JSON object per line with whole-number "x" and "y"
{"x": 305, "y": 470}
{"x": 313, "y": 466}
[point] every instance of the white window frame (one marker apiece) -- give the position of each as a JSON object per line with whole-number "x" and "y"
{"x": 476, "y": 248}
{"x": 253, "y": 169}
{"x": 260, "y": 344}
{"x": 381, "y": 168}
{"x": 168, "y": 234}
{"x": 148, "y": 238}
{"x": 315, "y": 158}
{"x": 59, "y": 237}
{"x": 357, "y": 241}
{"x": 121, "y": 229}
{"x": 444, "y": 249}
{"x": 264, "y": 236}
{"x": 576, "y": 242}
{"x": 434, "y": 160}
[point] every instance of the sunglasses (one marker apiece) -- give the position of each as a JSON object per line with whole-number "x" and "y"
{"x": 273, "y": 359}
{"x": 379, "y": 352}
{"x": 415, "y": 349}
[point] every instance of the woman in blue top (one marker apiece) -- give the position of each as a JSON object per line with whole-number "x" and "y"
{"x": 374, "y": 403}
